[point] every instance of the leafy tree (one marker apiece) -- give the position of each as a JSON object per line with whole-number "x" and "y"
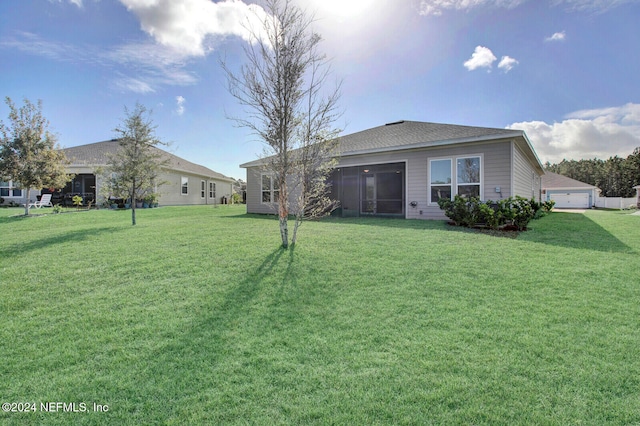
{"x": 29, "y": 154}
{"x": 133, "y": 171}
{"x": 283, "y": 88}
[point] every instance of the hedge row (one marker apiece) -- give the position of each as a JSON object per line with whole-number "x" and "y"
{"x": 510, "y": 212}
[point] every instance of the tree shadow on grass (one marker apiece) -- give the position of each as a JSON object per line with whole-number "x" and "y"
{"x": 212, "y": 352}
{"x": 83, "y": 235}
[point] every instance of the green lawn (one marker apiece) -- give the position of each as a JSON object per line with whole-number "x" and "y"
{"x": 195, "y": 316}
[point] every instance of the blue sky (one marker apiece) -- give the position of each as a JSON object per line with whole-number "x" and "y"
{"x": 565, "y": 71}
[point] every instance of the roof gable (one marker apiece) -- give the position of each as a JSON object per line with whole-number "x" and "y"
{"x": 97, "y": 154}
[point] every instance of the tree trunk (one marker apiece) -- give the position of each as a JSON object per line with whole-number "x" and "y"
{"x": 26, "y": 205}
{"x": 295, "y": 229}
{"x": 133, "y": 208}
{"x": 284, "y": 232}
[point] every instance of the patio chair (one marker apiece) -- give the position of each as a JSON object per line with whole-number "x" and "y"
{"x": 45, "y": 201}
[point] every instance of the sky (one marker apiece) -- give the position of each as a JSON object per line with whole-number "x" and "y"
{"x": 567, "y": 72}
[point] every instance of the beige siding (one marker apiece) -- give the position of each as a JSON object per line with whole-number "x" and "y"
{"x": 496, "y": 172}
{"x": 171, "y": 194}
{"x": 254, "y": 193}
{"x": 526, "y": 181}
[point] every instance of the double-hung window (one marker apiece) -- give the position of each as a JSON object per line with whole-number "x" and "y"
{"x": 212, "y": 190}
{"x": 184, "y": 185}
{"x": 440, "y": 179}
{"x": 468, "y": 178}
{"x": 203, "y": 189}
{"x": 454, "y": 176}
{"x": 10, "y": 189}
{"x": 270, "y": 189}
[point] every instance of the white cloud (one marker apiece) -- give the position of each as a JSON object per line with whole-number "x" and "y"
{"x": 596, "y": 133}
{"x": 130, "y": 84}
{"x": 482, "y": 57}
{"x": 186, "y": 25}
{"x": 76, "y": 2}
{"x": 136, "y": 67}
{"x": 592, "y": 5}
{"x": 436, "y": 7}
{"x": 561, "y": 36}
{"x": 507, "y": 63}
{"x": 180, "y": 105}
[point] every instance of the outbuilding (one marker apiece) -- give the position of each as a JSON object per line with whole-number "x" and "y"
{"x": 568, "y": 193}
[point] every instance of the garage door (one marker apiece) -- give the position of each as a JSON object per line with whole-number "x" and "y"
{"x": 571, "y": 200}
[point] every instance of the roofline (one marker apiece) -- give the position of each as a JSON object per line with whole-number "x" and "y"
{"x": 477, "y": 139}
{"x": 445, "y": 142}
{"x": 567, "y": 188}
{"x": 533, "y": 151}
{"x": 94, "y": 166}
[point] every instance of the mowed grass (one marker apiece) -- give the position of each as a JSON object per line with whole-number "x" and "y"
{"x": 196, "y": 316}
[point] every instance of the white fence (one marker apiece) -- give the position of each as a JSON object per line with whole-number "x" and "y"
{"x": 615, "y": 202}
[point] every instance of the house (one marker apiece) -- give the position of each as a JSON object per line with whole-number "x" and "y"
{"x": 567, "y": 192}
{"x": 637, "y": 188}
{"x": 184, "y": 182}
{"x": 11, "y": 193}
{"x": 401, "y": 169}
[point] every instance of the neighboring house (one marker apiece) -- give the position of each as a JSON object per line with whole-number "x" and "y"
{"x": 184, "y": 182}
{"x": 401, "y": 170}
{"x": 568, "y": 193}
{"x": 11, "y": 192}
{"x": 637, "y": 188}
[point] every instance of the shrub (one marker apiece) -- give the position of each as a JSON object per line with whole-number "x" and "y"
{"x": 518, "y": 211}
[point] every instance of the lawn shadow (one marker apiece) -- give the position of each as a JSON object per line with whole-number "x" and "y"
{"x": 50, "y": 240}
{"x": 574, "y": 230}
{"x": 226, "y": 334}
{"x": 571, "y": 230}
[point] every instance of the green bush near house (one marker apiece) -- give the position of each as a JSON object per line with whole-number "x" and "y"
{"x": 196, "y": 316}
{"x": 516, "y": 212}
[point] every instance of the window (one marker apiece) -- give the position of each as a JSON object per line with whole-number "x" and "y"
{"x": 269, "y": 189}
{"x": 184, "y": 187}
{"x": 9, "y": 189}
{"x": 467, "y": 173}
{"x": 468, "y": 176}
{"x": 203, "y": 189}
{"x": 212, "y": 190}
{"x": 440, "y": 179}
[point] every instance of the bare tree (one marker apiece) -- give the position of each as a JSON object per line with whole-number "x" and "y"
{"x": 282, "y": 87}
{"x": 133, "y": 171}
{"x": 29, "y": 154}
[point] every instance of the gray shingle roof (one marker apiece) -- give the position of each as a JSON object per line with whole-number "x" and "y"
{"x": 414, "y": 134}
{"x": 408, "y": 134}
{"x": 556, "y": 181}
{"x": 97, "y": 154}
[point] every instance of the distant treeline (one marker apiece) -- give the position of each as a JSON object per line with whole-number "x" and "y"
{"x": 616, "y": 176}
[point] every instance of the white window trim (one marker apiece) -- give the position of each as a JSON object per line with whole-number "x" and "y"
{"x": 271, "y": 189}
{"x": 454, "y": 175}
{"x": 212, "y": 190}
{"x": 480, "y": 191}
{"x": 429, "y": 184}
{"x": 184, "y": 180}
{"x": 203, "y": 189}
{"x": 11, "y": 187}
